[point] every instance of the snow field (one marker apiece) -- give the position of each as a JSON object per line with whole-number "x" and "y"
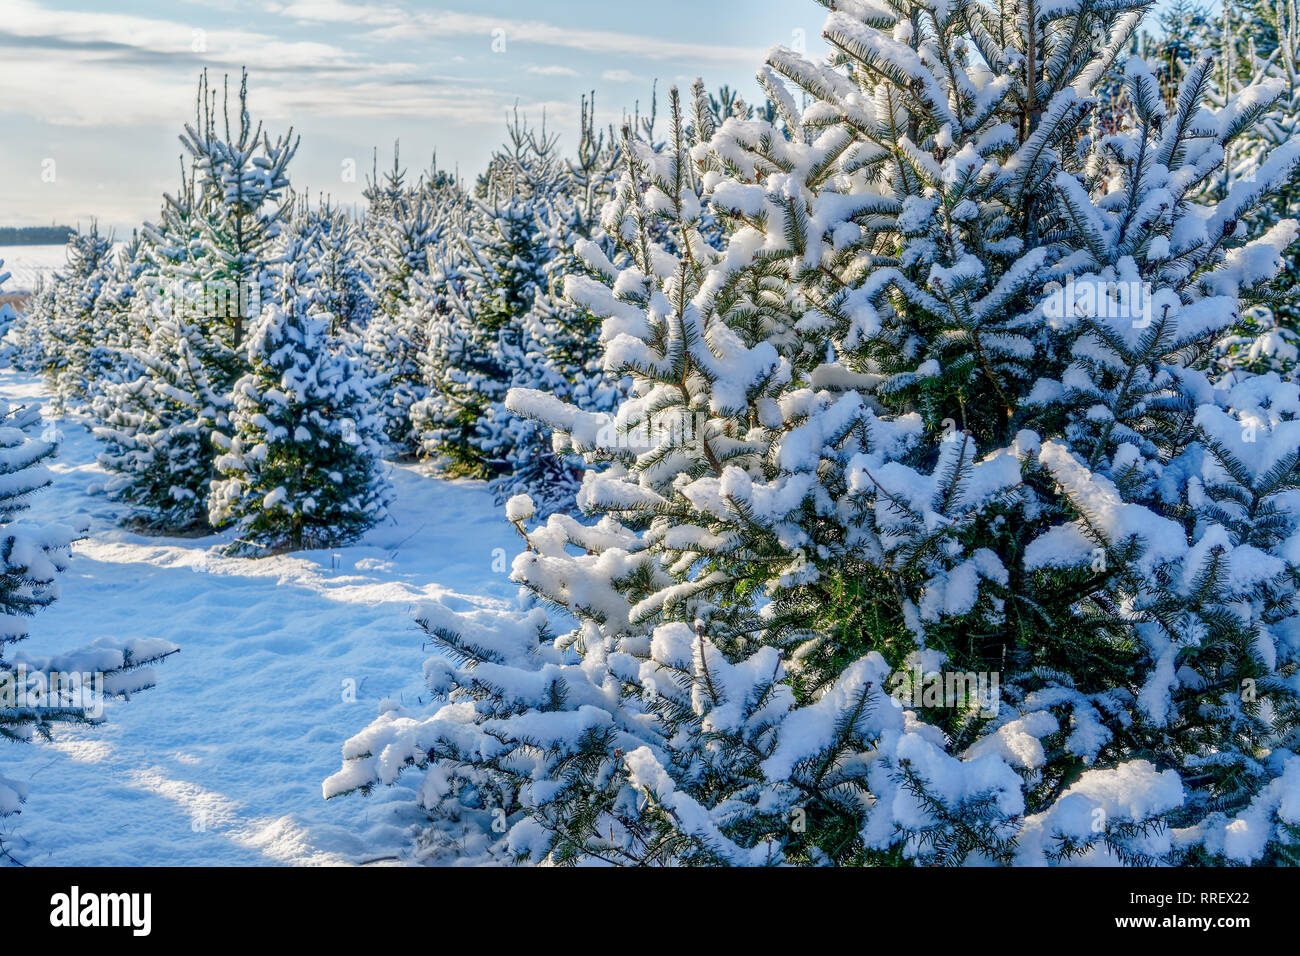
{"x": 281, "y": 660}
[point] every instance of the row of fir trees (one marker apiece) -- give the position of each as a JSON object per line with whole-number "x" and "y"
{"x": 251, "y": 357}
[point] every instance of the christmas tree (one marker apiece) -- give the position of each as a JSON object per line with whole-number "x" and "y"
{"x": 300, "y": 467}
{"x": 506, "y": 323}
{"x": 406, "y": 228}
{"x": 72, "y": 328}
{"x": 210, "y": 265}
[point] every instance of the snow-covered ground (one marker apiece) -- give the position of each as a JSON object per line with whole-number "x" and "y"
{"x": 26, "y": 263}
{"x": 222, "y": 761}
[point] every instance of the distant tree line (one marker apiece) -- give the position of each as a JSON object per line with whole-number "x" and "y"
{"x": 34, "y": 235}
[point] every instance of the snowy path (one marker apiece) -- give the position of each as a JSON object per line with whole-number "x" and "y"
{"x": 222, "y": 762}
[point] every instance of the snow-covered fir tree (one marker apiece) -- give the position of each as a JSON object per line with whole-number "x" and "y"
{"x": 72, "y": 330}
{"x": 118, "y": 333}
{"x": 929, "y": 532}
{"x": 563, "y": 356}
{"x": 244, "y": 199}
{"x": 1185, "y": 30}
{"x": 211, "y": 261}
{"x": 507, "y": 323}
{"x": 593, "y": 170}
{"x": 407, "y": 227}
{"x": 77, "y": 322}
{"x": 25, "y": 339}
{"x": 300, "y": 467}
{"x": 478, "y": 340}
{"x": 333, "y": 246}
{"x": 157, "y": 425}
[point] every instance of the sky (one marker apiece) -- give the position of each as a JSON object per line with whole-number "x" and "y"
{"x": 93, "y": 96}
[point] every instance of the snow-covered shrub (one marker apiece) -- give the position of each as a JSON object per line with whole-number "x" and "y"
{"x": 940, "y": 409}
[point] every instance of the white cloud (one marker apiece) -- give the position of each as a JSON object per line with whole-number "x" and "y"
{"x": 338, "y": 11}
{"x": 554, "y": 71}
{"x": 393, "y": 23}
{"x": 100, "y": 69}
{"x": 465, "y": 106}
{"x": 106, "y": 93}
{"x": 125, "y": 38}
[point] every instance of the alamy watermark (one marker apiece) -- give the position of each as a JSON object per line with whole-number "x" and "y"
{"x": 961, "y": 690}
{"x": 75, "y": 908}
{"x": 47, "y": 691}
{"x": 210, "y": 298}
{"x": 668, "y": 430}
{"x": 1100, "y": 299}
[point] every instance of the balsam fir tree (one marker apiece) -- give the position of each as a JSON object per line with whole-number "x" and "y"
{"x": 300, "y": 467}
{"x": 407, "y": 226}
{"x": 477, "y": 343}
{"x": 336, "y": 251}
{"x": 211, "y": 264}
{"x": 117, "y": 330}
{"x": 25, "y": 340}
{"x": 1185, "y": 35}
{"x": 244, "y": 200}
{"x": 77, "y": 323}
{"x": 157, "y": 426}
{"x": 507, "y": 323}
{"x": 564, "y": 356}
{"x": 72, "y": 331}
{"x": 593, "y": 171}
{"x": 939, "y": 411}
